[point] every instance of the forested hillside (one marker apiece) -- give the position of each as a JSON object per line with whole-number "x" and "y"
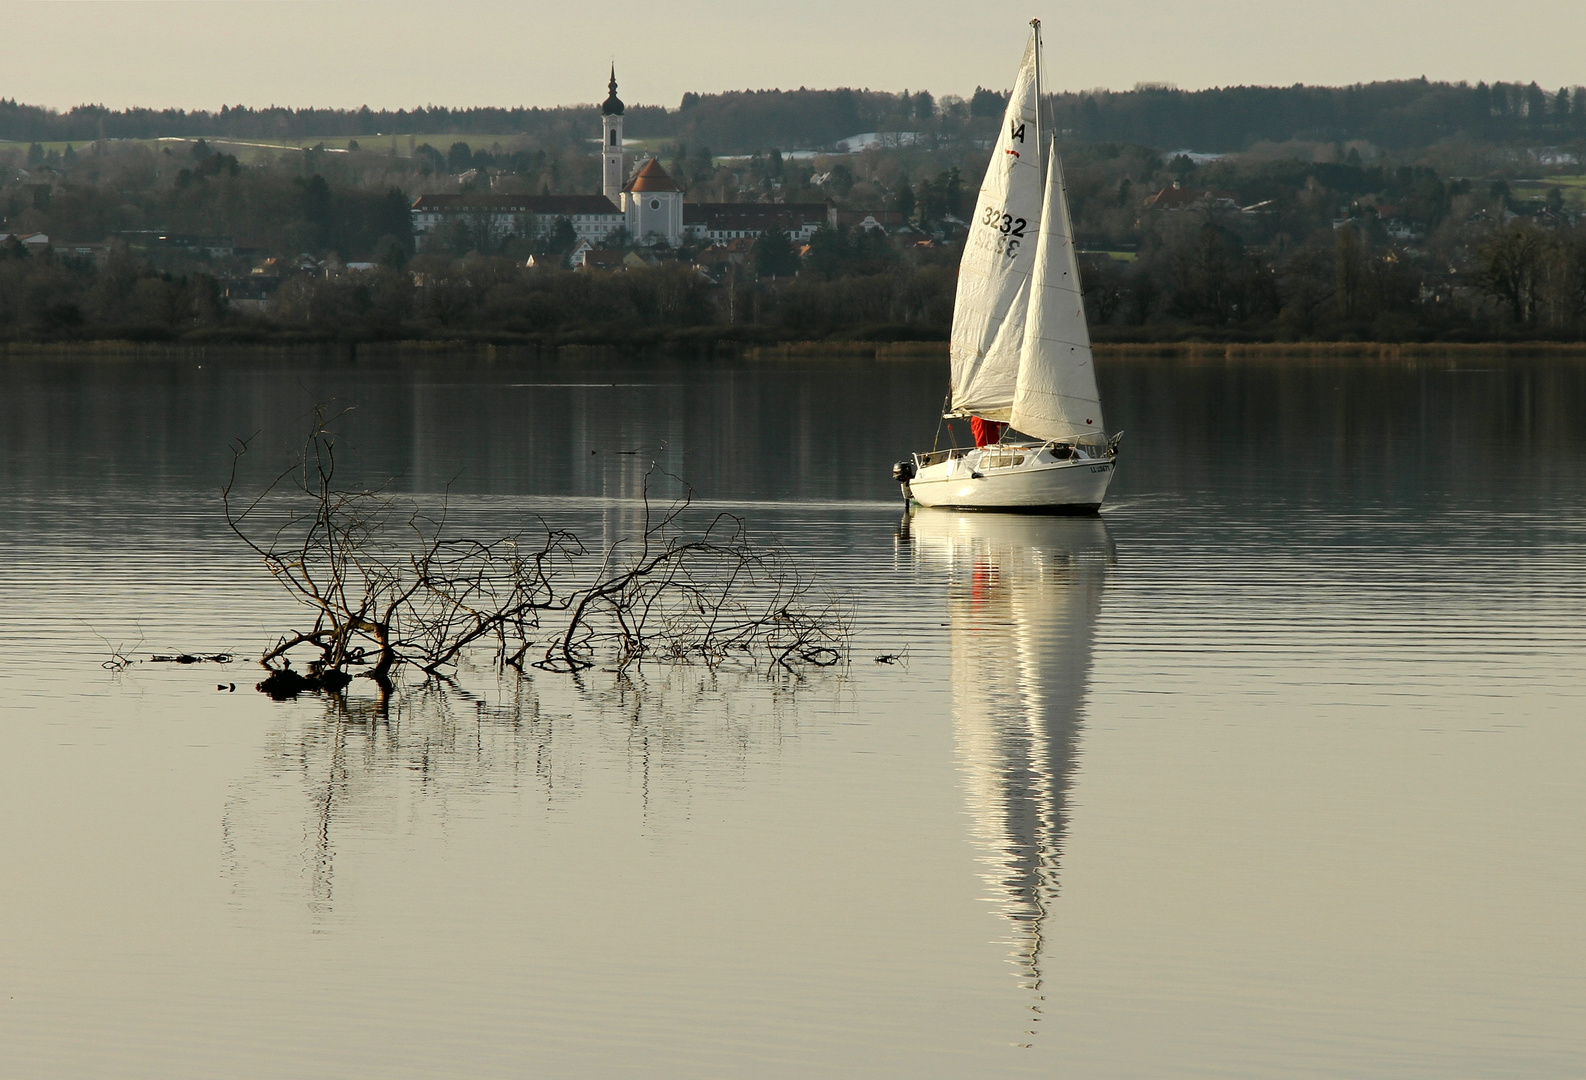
{"x": 1389, "y": 211}
{"x": 1393, "y": 115}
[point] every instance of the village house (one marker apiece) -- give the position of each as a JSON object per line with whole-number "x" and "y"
{"x": 1179, "y": 197}
{"x": 868, "y": 220}
{"x": 39, "y": 243}
{"x": 32, "y": 243}
{"x": 721, "y": 222}
{"x": 98, "y": 252}
{"x": 587, "y": 258}
{"x": 251, "y": 294}
{"x": 216, "y": 247}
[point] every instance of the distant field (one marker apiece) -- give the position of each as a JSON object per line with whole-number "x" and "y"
{"x": 252, "y": 151}
{"x": 254, "y": 147}
{"x": 1573, "y": 188}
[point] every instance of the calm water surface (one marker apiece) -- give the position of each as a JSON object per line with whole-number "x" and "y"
{"x": 1275, "y": 770}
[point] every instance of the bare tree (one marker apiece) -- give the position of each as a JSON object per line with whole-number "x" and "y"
{"x": 1509, "y": 266}
{"x": 389, "y": 585}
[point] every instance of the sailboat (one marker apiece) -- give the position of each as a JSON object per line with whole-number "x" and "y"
{"x": 1022, "y": 369}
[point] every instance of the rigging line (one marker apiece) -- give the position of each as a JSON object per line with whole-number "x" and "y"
{"x": 946, "y": 401}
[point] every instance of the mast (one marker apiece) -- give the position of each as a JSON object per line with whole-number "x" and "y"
{"x": 1040, "y": 144}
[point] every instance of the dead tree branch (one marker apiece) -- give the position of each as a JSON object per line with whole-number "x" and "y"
{"x": 387, "y": 585}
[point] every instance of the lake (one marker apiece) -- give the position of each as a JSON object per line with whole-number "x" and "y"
{"x": 1272, "y": 770}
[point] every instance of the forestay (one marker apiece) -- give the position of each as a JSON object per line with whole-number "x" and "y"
{"x": 1056, "y": 395}
{"x": 994, "y": 274}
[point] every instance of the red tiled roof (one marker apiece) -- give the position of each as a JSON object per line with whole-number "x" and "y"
{"x": 1174, "y": 198}
{"x": 1178, "y": 198}
{"x": 652, "y": 178}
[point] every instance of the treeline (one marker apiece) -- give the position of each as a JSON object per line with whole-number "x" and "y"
{"x": 1399, "y": 115}
{"x": 1250, "y": 248}
{"x": 747, "y": 120}
{"x": 302, "y": 204}
{"x": 859, "y": 287}
{"x": 87, "y": 123}
{"x": 1521, "y": 281}
{"x": 1191, "y": 281}
{"x": 1396, "y": 115}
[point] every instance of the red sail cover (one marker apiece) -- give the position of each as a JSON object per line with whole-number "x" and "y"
{"x": 986, "y": 432}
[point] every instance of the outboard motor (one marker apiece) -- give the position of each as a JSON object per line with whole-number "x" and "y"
{"x": 903, "y": 471}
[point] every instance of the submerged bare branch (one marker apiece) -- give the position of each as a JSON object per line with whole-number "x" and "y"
{"x": 389, "y": 585}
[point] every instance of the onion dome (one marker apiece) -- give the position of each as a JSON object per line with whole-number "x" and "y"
{"x": 612, "y": 106}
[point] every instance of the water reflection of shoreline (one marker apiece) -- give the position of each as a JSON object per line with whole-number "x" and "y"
{"x": 1024, "y": 593}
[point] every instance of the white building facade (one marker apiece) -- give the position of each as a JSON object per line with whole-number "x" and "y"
{"x": 720, "y": 222}
{"x": 497, "y": 217}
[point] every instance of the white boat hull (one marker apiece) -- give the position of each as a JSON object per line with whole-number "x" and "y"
{"x": 1038, "y": 483}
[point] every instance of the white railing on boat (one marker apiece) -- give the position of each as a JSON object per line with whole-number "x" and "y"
{"x": 936, "y": 457}
{"x": 998, "y": 456}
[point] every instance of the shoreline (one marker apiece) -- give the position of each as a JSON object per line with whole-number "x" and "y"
{"x": 792, "y": 350}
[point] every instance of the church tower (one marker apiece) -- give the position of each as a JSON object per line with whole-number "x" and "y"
{"x": 611, "y": 137}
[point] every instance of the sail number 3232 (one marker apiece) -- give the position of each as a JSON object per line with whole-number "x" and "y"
{"x": 1003, "y": 231}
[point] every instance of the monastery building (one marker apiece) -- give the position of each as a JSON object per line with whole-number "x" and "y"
{"x": 649, "y": 205}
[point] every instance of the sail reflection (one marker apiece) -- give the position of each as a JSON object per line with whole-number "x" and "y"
{"x": 1024, "y": 594}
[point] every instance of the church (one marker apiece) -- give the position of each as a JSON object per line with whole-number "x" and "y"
{"x": 651, "y": 202}
{"x": 649, "y": 205}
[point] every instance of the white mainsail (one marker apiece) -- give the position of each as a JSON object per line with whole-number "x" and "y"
{"x": 994, "y": 274}
{"x": 1056, "y": 395}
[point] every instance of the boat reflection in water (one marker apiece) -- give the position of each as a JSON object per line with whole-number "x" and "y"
{"x": 1023, "y": 598}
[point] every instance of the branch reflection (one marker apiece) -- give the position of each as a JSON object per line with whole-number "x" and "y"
{"x": 350, "y": 771}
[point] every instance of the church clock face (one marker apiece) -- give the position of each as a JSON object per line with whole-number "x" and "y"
{"x": 655, "y": 204}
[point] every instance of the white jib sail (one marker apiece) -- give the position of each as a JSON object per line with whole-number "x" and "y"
{"x": 994, "y": 274}
{"x": 1056, "y": 396}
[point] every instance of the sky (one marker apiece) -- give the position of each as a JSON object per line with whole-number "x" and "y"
{"x": 402, "y": 53}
